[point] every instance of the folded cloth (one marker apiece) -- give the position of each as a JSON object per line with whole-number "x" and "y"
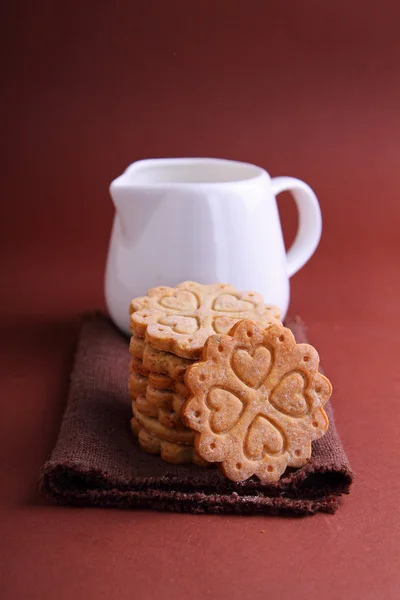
{"x": 97, "y": 461}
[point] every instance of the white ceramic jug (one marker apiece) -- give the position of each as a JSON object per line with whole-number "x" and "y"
{"x": 207, "y": 220}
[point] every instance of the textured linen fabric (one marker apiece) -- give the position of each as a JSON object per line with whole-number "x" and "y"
{"x": 97, "y": 462}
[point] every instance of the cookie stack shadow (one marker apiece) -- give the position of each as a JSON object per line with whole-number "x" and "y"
{"x": 169, "y": 329}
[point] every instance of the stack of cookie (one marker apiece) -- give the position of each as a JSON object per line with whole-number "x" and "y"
{"x": 169, "y": 329}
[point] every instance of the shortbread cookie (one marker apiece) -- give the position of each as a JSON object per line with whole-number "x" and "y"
{"x": 170, "y": 452}
{"x": 256, "y": 402}
{"x": 136, "y": 346}
{"x": 145, "y": 408}
{"x": 164, "y": 414}
{"x": 158, "y": 361}
{"x": 149, "y": 443}
{"x": 163, "y": 382}
{"x": 137, "y": 384}
{"x": 135, "y": 426}
{"x": 164, "y": 362}
{"x": 178, "y": 454}
{"x": 170, "y": 419}
{"x": 165, "y": 399}
{"x": 138, "y": 367}
{"x": 155, "y": 428}
{"x": 179, "y": 320}
{"x": 160, "y": 398}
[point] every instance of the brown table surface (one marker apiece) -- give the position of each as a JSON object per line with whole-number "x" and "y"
{"x": 309, "y": 89}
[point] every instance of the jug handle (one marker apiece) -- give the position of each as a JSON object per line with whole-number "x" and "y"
{"x": 310, "y": 221}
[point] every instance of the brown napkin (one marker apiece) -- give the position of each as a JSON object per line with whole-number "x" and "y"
{"x": 97, "y": 462}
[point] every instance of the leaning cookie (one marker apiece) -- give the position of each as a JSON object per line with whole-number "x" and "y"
{"x": 256, "y": 401}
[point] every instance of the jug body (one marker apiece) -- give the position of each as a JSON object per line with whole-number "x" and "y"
{"x": 205, "y": 220}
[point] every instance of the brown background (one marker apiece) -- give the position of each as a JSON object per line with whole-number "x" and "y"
{"x": 304, "y": 88}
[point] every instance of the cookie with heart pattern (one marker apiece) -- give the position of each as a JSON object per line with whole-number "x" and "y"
{"x": 163, "y": 411}
{"x": 149, "y": 359}
{"x": 179, "y": 320}
{"x": 167, "y": 399}
{"x": 136, "y": 347}
{"x": 154, "y": 427}
{"x": 159, "y": 361}
{"x": 154, "y": 438}
{"x": 157, "y": 387}
{"x": 164, "y": 382}
{"x": 256, "y": 401}
{"x": 171, "y": 452}
{"x": 137, "y": 384}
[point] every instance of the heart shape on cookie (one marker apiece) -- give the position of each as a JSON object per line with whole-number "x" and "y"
{"x": 180, "y": 324}
{"x": 229, "y": 303}
{"x": 223, "y": 324}
{"x": 226, "y": 409}
{"x": 288, "y": 396}
{"x": 252, "y": 368}
{"x": 262, "y": 438}
{"x": 182, "y": 301}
